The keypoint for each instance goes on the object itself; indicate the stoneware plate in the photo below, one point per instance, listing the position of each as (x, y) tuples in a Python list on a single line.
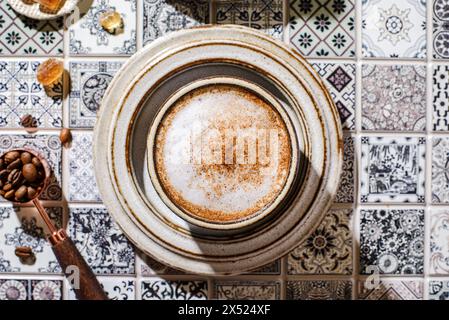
[(133, 105), (33, 11)]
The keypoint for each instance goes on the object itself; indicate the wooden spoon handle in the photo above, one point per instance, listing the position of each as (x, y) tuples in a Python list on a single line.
[(73, 264)]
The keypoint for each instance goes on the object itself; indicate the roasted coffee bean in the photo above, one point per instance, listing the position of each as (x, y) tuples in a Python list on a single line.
[(27, 121), (31, 193), (10, 194), (37, 163), (11, 156), (26, 157), (15, 178), (65, 136), (23, 252), (14, 165), (21, 192), (7, 187), (4, 174), (29, 172), (2, 163)]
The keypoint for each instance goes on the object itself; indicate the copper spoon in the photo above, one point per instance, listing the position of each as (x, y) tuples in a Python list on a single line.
[(63, 247)]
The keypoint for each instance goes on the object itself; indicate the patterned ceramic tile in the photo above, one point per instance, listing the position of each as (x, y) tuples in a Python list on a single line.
[(264, 15), (115, 288), (247, 290), (391, 290), (87, 37), (439, 290), (49, 146), (392, 241), (163, 16), (160, 289), (345, 193), (440, 96), (319, 290), (151, 267), (270, 268), (89, 81), (339, 78), (30, 289), (440, 169), (82, 183), (21, 94), (440, 29), (394, 97), (328, 249), (323, 27), (22, 226), (439, 245), (23, 36), (100, 241), (392, 169), (394, 29)]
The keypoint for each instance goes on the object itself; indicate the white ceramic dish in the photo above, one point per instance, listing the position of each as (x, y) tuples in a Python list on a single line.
[(133, 100), (33, 11)]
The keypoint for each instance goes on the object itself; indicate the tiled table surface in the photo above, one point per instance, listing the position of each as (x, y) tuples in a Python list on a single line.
[(384, 63)]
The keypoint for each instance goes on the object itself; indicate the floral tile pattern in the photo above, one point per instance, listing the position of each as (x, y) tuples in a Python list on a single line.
[(339, 79), (160, 289), (440, 96), (439, 246), (49, 147), (30, 289), (345, 193), (89, 81), (100, 241), (22, 226), (163, 16), (440, 169), (323, 27), (392, 241), (440, 29), (23, 36), (395, 29), (247, 290), (439, 290), (264, 15), (82, 183), (87, 37), (328, 250), (115, 288), (21, 94), (393, 97), (392, 169), (391, 290), (319, 290)]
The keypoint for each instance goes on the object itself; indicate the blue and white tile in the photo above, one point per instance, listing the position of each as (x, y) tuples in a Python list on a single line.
[(390, 289), (395, 29), (20, 35), (328, 249), (161, 17), (440, 97), (21, 94), (321, 28), (22, 226), (87, 36), (440, 29), (440, 170), (247, 290), (82, 183), (116, 288), (100, 241), (392, 169), (439, 244), (30, 289), (49, 147), (393, 97), (439, 289), (392, 241), (339, 79), (319, 290), (161, 289)]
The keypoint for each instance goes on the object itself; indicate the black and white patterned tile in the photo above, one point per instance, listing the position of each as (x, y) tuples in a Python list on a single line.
[(345, 192), (116, 288), (319, 290), (440, 96), (161, 289), (440, 167), (393, 97), (247, 290), (100, 241), (392, 169), (323, 28), (390, 289), (24, 289), (328, 249), (89, 81), (392, 241), (439, 245), (439, 289), (440, 29)]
